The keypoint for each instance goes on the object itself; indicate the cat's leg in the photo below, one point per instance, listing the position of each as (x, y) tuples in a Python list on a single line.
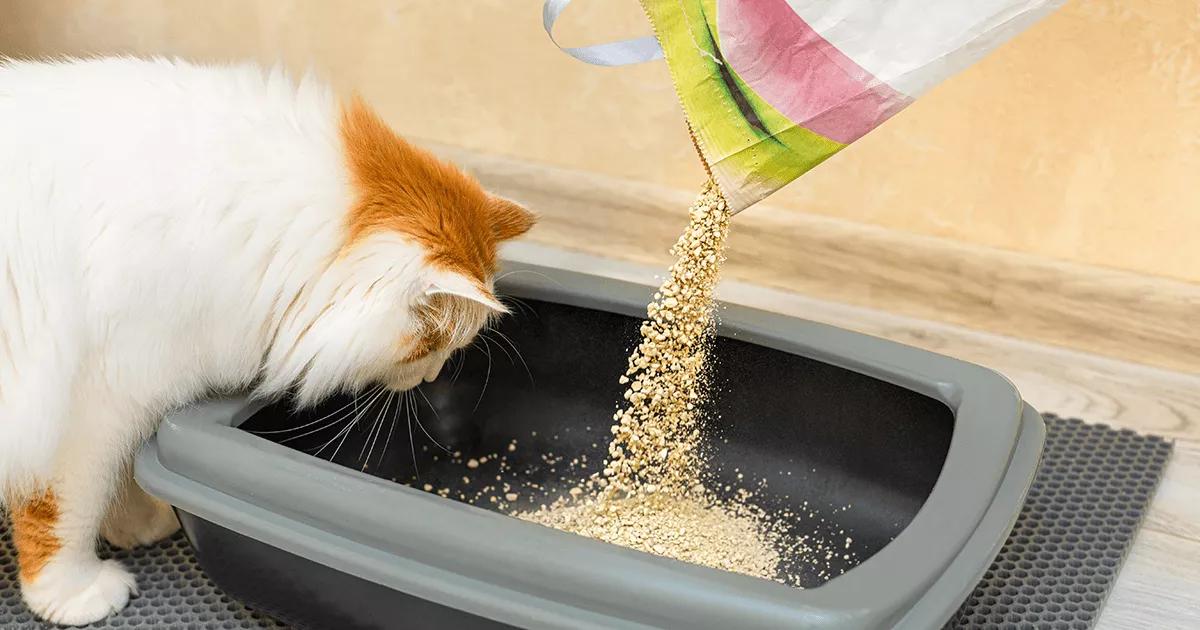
[(55, 530), (32, 417), (136, 518), (36, 369)]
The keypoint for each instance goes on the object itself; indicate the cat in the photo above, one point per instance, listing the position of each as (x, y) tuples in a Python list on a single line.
[(169, 229)]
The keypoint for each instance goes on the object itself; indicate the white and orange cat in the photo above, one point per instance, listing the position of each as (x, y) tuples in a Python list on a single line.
[(169, 229)]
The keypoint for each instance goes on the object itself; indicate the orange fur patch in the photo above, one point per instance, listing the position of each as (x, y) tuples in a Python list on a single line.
[(406, 189), (34, 521), (428, 343)]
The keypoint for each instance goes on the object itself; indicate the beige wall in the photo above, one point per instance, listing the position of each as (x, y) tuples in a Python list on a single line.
[(1080, 140)]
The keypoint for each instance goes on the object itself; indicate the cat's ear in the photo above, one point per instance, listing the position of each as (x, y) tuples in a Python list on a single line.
[(450, 283), (509, 218)]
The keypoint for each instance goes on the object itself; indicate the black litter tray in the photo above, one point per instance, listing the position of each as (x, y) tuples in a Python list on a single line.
[(920, 460)]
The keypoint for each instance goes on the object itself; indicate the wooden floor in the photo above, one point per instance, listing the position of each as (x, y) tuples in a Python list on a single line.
[(1159, 587)]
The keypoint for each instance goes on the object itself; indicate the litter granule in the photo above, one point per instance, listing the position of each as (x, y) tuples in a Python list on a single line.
[(651, 494)]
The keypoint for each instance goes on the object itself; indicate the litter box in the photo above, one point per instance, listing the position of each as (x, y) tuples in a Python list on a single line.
[(921, 461)]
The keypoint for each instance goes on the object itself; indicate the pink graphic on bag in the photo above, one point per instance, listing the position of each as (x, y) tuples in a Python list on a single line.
[(776, 53)]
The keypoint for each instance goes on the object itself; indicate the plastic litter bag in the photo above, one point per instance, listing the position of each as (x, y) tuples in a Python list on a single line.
[(771, 88)]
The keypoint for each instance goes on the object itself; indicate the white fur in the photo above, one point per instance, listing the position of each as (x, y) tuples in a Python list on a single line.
[(79, 590), (167, 229)]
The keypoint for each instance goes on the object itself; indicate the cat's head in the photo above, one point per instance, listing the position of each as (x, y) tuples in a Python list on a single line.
[(413, 282)]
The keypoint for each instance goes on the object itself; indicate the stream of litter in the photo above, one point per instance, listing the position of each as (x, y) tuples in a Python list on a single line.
[(656, 490)]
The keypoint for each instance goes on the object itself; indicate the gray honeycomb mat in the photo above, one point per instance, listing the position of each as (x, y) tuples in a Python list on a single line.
[(173, 593), (1079, 520), (1055, 571)]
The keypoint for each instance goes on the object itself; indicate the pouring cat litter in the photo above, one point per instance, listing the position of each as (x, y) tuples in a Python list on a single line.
[(765, 452), (649, 495), (652, 494)]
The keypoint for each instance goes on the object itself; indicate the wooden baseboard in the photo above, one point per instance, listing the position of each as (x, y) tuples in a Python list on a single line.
[(1134, 317)]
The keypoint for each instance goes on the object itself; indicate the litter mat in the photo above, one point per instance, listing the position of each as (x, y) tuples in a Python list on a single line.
[(1056, 570)]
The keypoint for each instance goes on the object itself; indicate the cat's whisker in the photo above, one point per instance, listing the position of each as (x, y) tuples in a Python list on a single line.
[(370, 431), (307, 424), (331, 423), (412, 444), (391, 427), (342, 431), (426, 399), (462, 361), (395, 396), (420, 424), (376, 429), (526, 309), (345, 431), (502, 348), (349, 428), (486, 377), (529, 271), (517, 351)]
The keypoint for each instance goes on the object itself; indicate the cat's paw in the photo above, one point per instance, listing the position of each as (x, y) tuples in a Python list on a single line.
[(143, 524), (76, 594)]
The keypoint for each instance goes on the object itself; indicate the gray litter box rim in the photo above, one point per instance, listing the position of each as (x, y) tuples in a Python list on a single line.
[(530, 576)]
